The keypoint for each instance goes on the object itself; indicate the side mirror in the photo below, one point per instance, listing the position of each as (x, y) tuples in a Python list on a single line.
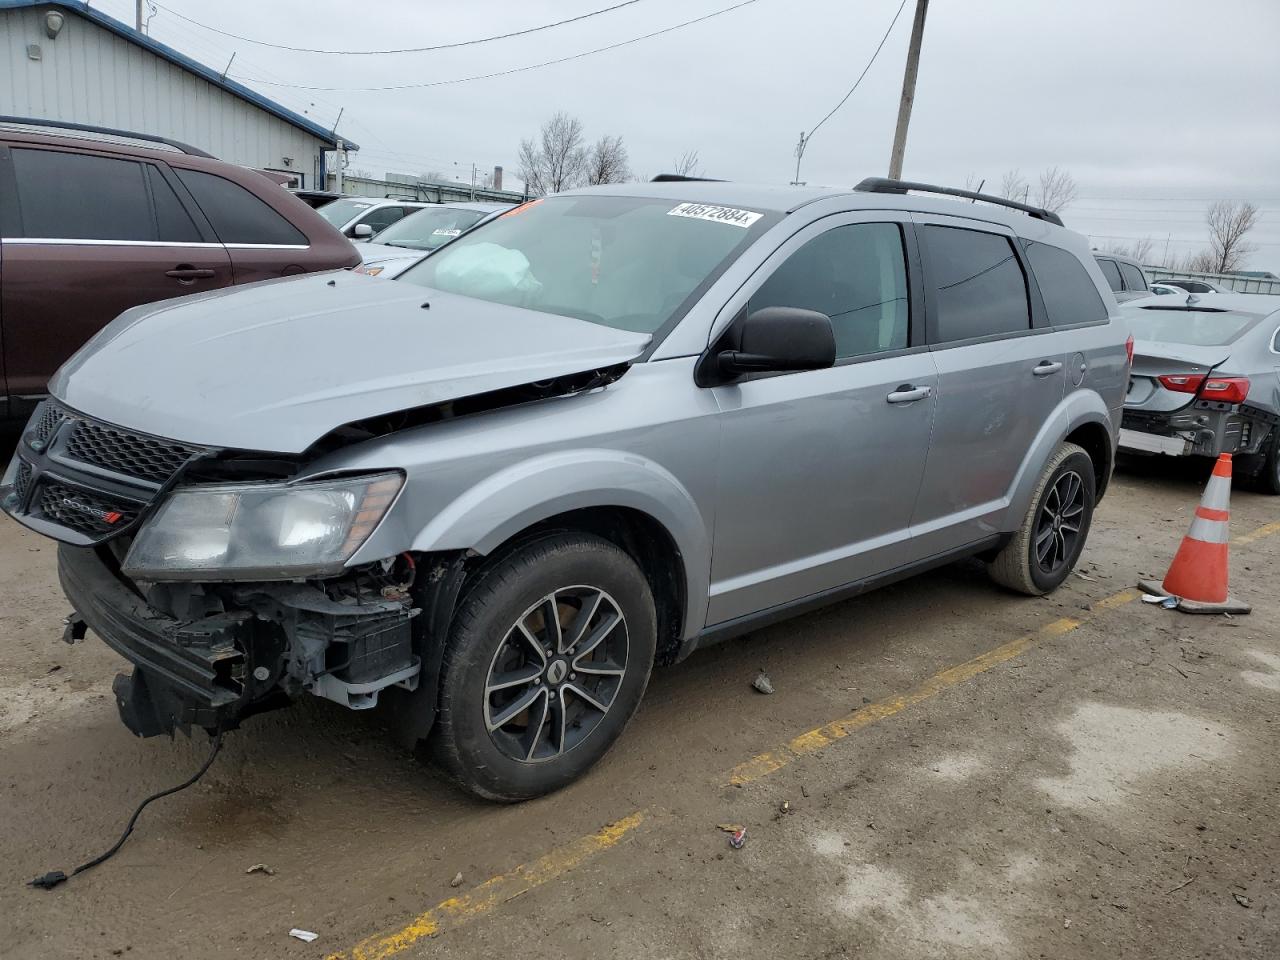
[(769, 340), (362, 231)]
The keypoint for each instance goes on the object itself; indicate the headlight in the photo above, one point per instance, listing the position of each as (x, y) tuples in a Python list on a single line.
[(260, 531), (368, 271)]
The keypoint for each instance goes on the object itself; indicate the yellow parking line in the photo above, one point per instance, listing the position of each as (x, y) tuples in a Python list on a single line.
[(766, 763), (1263, 531), (492, 893)]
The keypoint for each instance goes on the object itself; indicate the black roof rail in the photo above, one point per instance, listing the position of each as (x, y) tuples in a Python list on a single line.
[(884, 185), (681, 178), (109, 131)]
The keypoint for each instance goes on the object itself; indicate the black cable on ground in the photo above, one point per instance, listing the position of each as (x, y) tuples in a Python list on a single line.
[(54, 877)]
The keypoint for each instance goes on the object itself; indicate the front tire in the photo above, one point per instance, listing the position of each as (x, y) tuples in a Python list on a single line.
[(549, 654), (1048, 543)]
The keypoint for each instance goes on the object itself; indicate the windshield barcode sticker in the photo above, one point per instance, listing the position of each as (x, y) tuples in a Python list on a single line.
[(442, 232), (703, 211)]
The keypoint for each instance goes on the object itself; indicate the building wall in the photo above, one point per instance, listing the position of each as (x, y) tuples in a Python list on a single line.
[(91, 75)]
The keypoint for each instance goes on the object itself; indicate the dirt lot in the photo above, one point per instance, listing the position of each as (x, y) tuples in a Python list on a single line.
[(969, 774)]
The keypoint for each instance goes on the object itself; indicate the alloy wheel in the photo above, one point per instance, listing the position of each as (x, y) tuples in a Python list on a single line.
[(555, 674), (1058, 527)]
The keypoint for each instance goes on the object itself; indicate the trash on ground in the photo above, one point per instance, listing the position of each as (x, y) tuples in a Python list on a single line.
[(262, 868), (762, 683), (306, 936), (457, 879), (1168, 603), (785, 806), (739, 840), (730, 827), (1240, 899), (1084, 576)]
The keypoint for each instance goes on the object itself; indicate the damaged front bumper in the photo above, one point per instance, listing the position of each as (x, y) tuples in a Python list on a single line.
[(1204, 428), (254, 647)]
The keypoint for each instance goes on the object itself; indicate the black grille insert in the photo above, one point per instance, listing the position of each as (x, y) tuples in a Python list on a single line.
[(22, 482), (129, 453), (50, 417), (92, 514)]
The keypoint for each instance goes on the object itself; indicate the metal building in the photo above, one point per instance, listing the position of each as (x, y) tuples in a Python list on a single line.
[(64, 60)]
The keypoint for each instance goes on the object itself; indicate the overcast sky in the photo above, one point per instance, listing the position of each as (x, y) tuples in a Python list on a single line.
[(1156, 107)]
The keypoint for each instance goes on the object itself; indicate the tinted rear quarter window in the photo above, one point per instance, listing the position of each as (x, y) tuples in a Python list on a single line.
[(981, 290), (172, 220), (1065, 286), (75, 196), (236, 214), (1112, 273), (1133, 277)]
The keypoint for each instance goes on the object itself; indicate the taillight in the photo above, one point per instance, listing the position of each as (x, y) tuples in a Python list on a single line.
[(1221, 389), (1128, 349)]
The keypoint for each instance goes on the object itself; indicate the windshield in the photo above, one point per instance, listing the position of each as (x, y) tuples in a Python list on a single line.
[(428, 229), (624, 262), (341, 211), (1194, 327)]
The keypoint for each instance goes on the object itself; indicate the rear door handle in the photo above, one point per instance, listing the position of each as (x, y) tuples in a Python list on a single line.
[(1046, 367), (907, 394), (187, 274)]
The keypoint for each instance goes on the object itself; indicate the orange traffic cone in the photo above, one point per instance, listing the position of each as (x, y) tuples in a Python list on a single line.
[(1197, 578)]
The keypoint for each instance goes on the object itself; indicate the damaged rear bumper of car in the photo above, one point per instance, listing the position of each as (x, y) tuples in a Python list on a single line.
[(1205, 428), (268, 643)]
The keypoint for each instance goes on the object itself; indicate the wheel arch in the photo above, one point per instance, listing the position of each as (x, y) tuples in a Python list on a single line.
[(1081, 418)]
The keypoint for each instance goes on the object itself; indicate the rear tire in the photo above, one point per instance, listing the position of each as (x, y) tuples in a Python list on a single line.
[(1048, 543), (1263, 469), (516, 721)]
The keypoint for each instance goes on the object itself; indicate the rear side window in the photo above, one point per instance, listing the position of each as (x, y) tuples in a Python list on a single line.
[(173, 223), (1068, 292), (236, 214), (1133, 277), (981, 290), (74, 196), (1112, 273), (383, 217), (857, 276)]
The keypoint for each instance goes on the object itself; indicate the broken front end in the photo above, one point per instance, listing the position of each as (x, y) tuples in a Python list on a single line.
[(229, 593)]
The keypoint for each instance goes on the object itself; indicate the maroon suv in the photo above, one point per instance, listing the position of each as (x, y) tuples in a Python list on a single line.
[(91, 225)]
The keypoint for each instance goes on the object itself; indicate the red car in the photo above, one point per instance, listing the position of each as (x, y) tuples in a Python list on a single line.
[(93, 222)]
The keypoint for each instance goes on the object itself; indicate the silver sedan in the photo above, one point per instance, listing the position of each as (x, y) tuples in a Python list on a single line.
[(1206, 380)]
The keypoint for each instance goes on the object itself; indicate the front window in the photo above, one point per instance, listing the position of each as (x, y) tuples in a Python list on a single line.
[(624, 262), (428, 229), (340, 212)]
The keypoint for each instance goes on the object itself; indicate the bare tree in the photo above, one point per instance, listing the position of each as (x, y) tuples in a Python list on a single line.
[(1141, 250), (686, 165), (607, 162), (1202, 262), (432, 176), (557, 160), (1057, 190), (973, 182), (1229, 222), (1013, 186)]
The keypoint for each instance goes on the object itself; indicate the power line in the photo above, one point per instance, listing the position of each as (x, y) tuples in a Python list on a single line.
[(369, 53), (879, 47), (532, 66)]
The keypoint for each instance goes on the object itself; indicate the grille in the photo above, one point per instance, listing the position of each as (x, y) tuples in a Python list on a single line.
[(89, 513), (49, 419), (127, 453), (22, 483)]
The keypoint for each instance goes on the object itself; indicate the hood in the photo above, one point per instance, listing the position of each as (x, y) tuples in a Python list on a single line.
[(276, 365)]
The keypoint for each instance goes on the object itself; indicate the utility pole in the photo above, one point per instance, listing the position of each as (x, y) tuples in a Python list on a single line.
[(137, 16), (908, 91), (341, 152)]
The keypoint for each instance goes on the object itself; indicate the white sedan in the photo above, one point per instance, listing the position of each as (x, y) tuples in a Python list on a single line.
[(405, 243)]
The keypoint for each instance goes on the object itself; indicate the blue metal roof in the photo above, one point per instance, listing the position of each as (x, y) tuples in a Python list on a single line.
[(82, 9)]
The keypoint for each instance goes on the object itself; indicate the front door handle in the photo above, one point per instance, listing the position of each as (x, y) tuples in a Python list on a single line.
[(1046, 367), (908, 394), (185, 273)]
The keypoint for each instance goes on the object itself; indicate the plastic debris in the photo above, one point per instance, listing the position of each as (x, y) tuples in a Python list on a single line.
[(1084, 576), (457, 879), (739, 839), (262, 868), (762, 683), (784, 807), (1242, 900), (730, 827), (1169, 603), (306, 936)]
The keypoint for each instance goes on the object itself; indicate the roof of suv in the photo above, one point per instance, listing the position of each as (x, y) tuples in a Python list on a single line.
[(787, 199)]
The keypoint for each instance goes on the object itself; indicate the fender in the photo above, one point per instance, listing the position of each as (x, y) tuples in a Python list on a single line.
[(519, 496), (1076, 409)]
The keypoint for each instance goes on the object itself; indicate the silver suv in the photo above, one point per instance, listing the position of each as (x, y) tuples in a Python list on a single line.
[(595, 434)]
